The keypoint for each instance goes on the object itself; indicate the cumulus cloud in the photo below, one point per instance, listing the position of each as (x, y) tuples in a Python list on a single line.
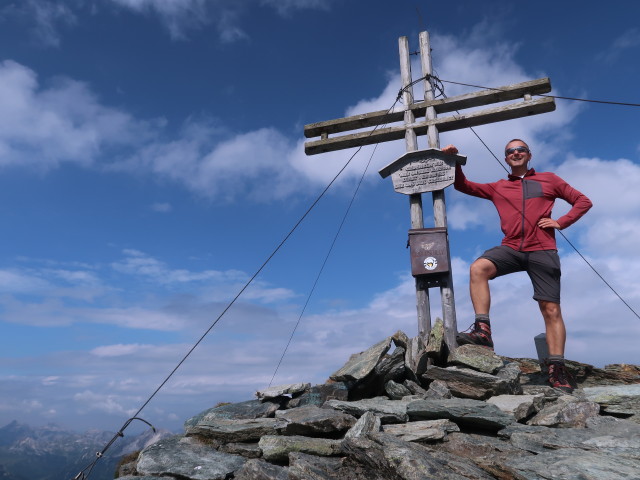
[(43, 127)]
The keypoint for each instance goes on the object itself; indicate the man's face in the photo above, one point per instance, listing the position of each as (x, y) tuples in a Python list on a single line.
[(517, 154)]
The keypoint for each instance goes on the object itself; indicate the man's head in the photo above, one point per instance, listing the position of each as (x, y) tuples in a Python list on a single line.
[(517, 156)]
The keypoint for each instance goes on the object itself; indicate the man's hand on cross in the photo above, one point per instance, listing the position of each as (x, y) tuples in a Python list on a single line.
[(450, 149)]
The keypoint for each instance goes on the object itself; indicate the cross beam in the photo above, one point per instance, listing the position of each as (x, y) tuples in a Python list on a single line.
[(523, 108)]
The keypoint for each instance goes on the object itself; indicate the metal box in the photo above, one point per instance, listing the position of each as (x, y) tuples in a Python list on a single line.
[(429, 251)]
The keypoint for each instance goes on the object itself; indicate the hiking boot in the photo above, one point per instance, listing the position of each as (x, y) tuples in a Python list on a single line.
[(559, 377), (477, 334)]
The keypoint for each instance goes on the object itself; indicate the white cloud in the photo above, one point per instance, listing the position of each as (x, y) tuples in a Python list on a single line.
[(613, 224), (44, 127), (162, 207), (120, 350), (286, 7), (138, 263), (65, 122), (628, 39), (46, 18), (20, 282), (89, 401), (178, 16)]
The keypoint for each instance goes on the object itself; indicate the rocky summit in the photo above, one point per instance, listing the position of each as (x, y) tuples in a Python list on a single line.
[(415, 412)]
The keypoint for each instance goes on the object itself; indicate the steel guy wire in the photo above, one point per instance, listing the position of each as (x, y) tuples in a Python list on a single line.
[(608, 102), (315, 283), (120, 432)]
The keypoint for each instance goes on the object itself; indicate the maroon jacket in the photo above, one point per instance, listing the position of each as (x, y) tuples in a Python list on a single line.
[(521, 202)]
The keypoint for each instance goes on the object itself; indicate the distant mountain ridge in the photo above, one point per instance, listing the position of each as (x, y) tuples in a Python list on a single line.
[(52, 452)]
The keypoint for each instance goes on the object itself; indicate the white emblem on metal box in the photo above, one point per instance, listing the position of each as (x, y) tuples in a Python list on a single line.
[(430, 263)]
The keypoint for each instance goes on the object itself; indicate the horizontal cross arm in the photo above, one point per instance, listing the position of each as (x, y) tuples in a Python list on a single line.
[(443, 124), (469, 100)]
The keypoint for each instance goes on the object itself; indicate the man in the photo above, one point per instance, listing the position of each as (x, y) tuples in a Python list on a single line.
[(524, 202)]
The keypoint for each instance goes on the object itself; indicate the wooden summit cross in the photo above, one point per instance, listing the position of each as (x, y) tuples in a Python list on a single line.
[(421, 171)]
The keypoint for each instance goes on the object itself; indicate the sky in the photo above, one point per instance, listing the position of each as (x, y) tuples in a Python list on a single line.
[(152, 159)]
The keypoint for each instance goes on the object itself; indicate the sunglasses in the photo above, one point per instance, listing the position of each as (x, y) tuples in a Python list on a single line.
[(509, 151)]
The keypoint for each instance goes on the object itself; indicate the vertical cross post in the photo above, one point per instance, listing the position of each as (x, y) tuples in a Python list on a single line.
[(415, 200), (439, 205)]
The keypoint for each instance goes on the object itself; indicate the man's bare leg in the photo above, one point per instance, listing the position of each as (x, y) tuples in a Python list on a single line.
[(481, 271), (479, 274), (554, 325), (556, 337)]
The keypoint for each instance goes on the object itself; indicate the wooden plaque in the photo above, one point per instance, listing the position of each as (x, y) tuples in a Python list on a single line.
[(422, 171)]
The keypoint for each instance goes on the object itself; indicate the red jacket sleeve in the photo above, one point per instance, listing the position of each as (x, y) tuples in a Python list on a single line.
[(579, 202), (482, 190)]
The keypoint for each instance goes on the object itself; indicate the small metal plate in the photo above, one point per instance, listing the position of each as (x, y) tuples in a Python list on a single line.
[(429, 251)]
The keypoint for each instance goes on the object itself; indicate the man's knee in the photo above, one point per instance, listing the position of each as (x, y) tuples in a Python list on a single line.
[(482, 269), (550, 310)]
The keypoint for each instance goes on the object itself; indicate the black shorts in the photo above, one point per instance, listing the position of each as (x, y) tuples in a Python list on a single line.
[(542, 266)]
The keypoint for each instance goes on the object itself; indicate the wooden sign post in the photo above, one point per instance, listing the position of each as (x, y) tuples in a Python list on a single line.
[(428, 170)]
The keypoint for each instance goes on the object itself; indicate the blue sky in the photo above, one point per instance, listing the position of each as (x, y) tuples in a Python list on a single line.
[(151, 158)]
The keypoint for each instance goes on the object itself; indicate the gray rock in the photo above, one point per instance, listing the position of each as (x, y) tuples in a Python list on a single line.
[(467, 383), (618, 400), (422, 431), (550, 394), (477, 358), (487, 452), (416, 358), (261, 470), (231, 431), (145, 477), (187, 460), (435, 343), (396, 390), (463, 411), (390, 367), (438, 389), (511, 374), (246, 450), (613, 436), (313, 421), (242, 410), (362, 364), (567, 411), (318, 394), (303, 466), (572, 464), (366, 424), (276, 448), (400, 339), (414, 388), (389, 411), (520, 406), (280, 390), (368, 456), (395, 459)]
